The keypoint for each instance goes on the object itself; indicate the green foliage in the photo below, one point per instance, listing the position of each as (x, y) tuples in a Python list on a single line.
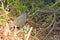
[(3, 19), (27, 4), (25, 29), (49, 4), (10, 1), (35, 19), (49, 19), (57, 6), (39, 4), (20, 6), (43, 24), (32, 10)]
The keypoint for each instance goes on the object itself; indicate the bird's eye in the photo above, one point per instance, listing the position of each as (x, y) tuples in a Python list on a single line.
[(18, 28)]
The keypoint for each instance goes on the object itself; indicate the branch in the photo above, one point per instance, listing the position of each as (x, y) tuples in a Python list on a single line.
[(29, 33)]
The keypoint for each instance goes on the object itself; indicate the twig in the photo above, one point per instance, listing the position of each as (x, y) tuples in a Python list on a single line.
[(49, 31), (50, 24), (29, 33), (52, 21), (52, 28), (55, 3)]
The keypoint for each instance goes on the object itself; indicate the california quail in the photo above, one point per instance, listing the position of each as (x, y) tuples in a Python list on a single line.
[(20, 20)]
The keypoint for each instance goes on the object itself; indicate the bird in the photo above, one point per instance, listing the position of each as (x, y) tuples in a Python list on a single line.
[(20, 20)]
